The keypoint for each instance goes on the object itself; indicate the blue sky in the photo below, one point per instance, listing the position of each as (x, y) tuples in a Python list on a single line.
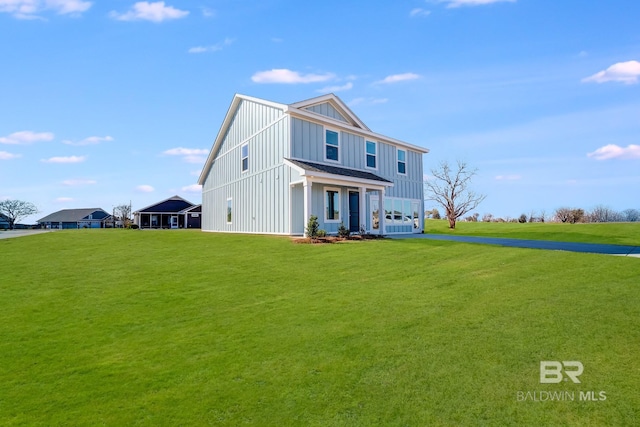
[(102, 103)]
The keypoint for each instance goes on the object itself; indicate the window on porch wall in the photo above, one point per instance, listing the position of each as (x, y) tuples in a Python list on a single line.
[(332, 205)]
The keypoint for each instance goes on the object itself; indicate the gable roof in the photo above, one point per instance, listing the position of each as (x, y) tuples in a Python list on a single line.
[(173, 204), (336, 103), (73, 215), (300, 109)]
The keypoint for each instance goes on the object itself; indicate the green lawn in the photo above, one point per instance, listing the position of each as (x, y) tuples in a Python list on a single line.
[(619, 233), (123, 328)]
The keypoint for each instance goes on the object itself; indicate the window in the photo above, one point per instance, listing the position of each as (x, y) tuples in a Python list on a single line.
[(402, 162), (229, 206), (388, 206), (332, 205), (371, 154), (332, 145), (245, 157), (375, 214)]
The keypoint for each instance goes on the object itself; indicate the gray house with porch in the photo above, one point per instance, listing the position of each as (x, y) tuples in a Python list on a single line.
[(274, 165)]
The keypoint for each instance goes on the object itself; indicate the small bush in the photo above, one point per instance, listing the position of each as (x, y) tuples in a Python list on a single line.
[(322, 233), (134, 226), (343, 231), (312, 226)]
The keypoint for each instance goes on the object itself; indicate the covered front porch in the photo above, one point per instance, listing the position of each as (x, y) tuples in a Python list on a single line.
[(336, 196)]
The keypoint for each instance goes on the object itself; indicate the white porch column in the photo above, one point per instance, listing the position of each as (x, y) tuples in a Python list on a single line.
[(382, 217), (363, 208), (307, 203)]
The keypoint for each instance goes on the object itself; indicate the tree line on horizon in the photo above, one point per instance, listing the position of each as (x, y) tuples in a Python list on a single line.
[(600, 213)]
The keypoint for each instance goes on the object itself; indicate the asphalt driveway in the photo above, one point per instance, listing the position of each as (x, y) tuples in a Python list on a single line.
[(594, 248), (19, 233)]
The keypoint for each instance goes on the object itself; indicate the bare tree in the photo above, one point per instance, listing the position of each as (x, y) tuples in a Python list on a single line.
[(15, 210), (450, 189), (124, 213), (603, 213), (631, 215), (569, 215)]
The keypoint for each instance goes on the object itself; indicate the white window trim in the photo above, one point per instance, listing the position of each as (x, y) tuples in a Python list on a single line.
[(325, 144), (325, 190), (242, 158), (226, 211), (375, 143), (398, 161)]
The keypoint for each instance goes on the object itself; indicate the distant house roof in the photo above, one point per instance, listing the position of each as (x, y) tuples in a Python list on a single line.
[(74, 215), (171, 205), (195, 208), (336, 170)]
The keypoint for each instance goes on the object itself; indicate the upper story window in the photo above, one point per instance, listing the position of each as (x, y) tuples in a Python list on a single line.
[(402, 162), (371, 153), (332, 145), (245, 157)]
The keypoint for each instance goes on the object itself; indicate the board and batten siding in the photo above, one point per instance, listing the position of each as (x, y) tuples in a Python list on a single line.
[(328, 110), (259, 196), (308, 144)]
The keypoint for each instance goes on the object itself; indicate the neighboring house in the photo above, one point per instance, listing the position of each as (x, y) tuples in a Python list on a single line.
[(4, 222), (274, 165), (76, 218), (174, 212)]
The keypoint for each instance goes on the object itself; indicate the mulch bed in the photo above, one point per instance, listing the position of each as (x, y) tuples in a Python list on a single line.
[(336, 239)]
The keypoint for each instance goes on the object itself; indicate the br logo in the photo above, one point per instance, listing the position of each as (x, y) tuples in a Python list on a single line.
[(551, 371)]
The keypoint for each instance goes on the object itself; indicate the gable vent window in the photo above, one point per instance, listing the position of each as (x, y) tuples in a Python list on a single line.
[(402, 162), (332, 145), (245, 157), (371, 154)]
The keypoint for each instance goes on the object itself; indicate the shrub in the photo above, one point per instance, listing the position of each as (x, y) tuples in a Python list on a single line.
[(343, 231), (312, 226), (134, 226), (322, 233), (522, 219)]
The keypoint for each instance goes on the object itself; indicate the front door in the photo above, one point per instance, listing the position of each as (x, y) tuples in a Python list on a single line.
[(354, 211), (174, 222)]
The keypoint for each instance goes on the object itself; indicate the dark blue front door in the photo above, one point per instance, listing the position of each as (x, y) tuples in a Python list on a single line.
[(354, 211)]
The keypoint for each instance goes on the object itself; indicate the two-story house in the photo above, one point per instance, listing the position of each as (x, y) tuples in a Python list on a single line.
[(274, 165)]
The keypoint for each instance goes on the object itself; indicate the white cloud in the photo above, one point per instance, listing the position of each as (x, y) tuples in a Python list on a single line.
[(193, 188), (283, 75), (145, 188), (78, 182), (508, 177), (189, 155), (459, 3), (68, 159), (63, 200), (419, 12), (612, 151), (395, 78), (28, 9), (8, 156), (181, 151), (92, 140), (624, 72), (213, 48), (367, 101), (26, 137), (145, 11), (196, 173), (331, 89)]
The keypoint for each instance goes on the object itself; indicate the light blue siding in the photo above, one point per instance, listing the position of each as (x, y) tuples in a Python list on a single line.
[(328, 110), (260, 196)]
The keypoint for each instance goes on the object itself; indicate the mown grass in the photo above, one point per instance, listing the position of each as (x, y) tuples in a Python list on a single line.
[(109, 327), (620, 233)]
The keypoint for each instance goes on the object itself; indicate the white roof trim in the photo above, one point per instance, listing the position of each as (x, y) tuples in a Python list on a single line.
[(336, 102), (225, 125), (352, 129), (165, 200)]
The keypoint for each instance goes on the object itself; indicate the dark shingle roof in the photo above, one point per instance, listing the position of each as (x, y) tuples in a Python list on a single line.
[(173, 204), (73, 215), (335, 170)]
